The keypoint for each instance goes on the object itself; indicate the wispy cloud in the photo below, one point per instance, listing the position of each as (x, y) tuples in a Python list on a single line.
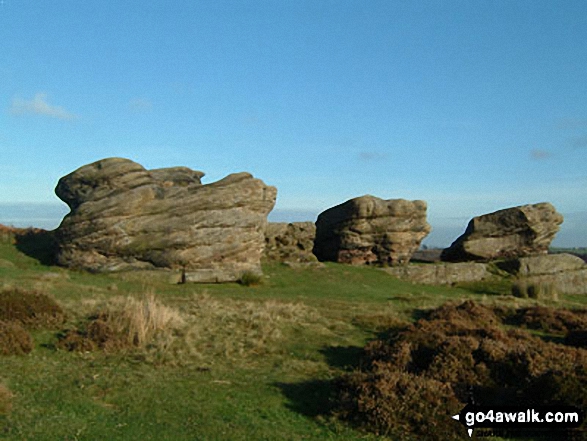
[(372, 156), (39, 106), (571, 123), (579, 142), (140, 105), (539, 154)]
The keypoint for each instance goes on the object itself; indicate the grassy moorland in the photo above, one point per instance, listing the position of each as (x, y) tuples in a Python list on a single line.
[(200, 362)]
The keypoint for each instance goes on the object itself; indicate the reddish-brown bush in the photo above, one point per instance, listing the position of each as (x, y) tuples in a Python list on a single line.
[(14, 339), (549, 319), (458, 352), (31, 308)]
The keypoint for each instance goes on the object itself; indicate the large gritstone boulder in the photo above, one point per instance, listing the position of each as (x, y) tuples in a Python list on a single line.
[(369, 230), (124, 217), (513, 232)]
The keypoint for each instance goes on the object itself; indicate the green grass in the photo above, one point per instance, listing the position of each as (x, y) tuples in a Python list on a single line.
[(252, 363)]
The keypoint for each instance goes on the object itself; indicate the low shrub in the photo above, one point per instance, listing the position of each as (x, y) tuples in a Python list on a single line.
[(249, 278), (548, 319), (14, 339), (33, 309), (392, 402), (433, 367)]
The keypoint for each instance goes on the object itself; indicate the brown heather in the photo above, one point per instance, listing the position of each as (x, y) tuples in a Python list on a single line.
[(417, 376), (14, 339), (33, 309)]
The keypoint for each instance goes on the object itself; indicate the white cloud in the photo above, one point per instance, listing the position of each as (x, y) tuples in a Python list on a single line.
[(39, 105)]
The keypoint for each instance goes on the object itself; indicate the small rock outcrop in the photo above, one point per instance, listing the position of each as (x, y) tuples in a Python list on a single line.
[(443, 273), (564, 273), (290, 242), (513, 232), (124, 217), (370, 230)]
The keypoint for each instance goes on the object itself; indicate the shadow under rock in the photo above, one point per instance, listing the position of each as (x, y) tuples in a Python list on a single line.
[(38, 244)]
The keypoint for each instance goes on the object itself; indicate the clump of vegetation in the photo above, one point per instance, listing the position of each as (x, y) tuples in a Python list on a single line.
[(249, 278), (390, 402), (31, 308), (124, 323), (5, 400), (455, 352), (551, 320), (14, 339)]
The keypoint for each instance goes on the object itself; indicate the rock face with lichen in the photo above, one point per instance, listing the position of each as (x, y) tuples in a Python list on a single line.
[(370, 230), (124, 217), (513, 232), (290, 242)]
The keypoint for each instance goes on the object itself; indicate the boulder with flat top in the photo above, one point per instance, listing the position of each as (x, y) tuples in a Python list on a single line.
[(370, 230), (125, 217)]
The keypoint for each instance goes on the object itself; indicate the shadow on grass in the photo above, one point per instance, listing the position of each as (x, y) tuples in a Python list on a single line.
[(38, 244), (310, 398), (315, 398), (343, 357)]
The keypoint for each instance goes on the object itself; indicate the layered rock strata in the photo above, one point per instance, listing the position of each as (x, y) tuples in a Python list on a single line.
[(443, 273), (513, 232), (564, 273), (370, 230), (124, 217)]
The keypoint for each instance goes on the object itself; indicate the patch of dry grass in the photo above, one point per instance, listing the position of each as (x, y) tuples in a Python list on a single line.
[(206, 330), (5, 400), (126, 322), (243, 328), (140, 321)]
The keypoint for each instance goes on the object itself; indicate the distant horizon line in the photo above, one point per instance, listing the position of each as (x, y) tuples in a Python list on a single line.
[(445, 230)]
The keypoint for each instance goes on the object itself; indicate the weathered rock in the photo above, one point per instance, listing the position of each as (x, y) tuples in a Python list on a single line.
[(512, 232), (542, 264), (561, 273), (126, 217), (568, 282), (442, 273), (369, 230), (291, 242)]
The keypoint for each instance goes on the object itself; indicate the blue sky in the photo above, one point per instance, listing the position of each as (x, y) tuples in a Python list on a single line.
[(472, 106)]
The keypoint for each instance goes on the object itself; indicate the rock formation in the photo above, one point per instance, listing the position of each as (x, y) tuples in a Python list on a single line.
[(126, 217), (563, 273), (369, 230), (443, 273), (508, 233), (291, 242)]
